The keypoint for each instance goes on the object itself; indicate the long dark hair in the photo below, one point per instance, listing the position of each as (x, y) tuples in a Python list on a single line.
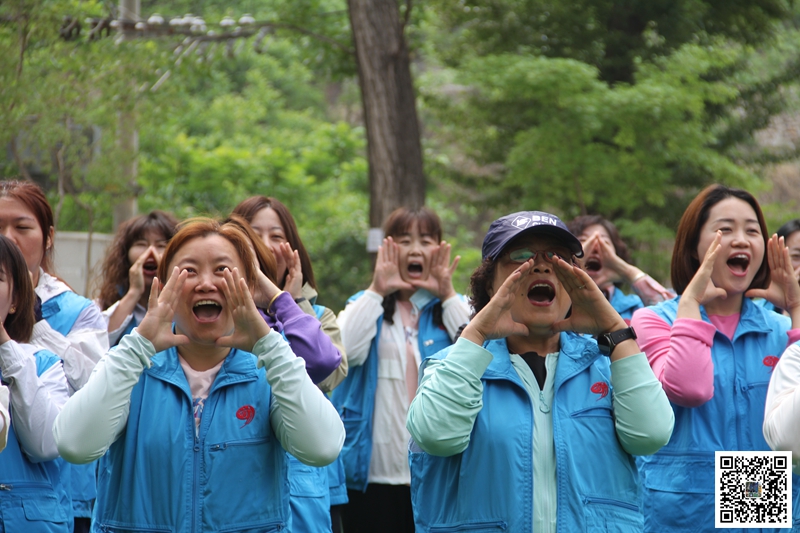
[(248, 209), (115, 282), (19, 324)]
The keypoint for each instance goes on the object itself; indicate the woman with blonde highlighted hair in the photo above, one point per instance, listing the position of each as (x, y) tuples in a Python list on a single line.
[(195, 409)]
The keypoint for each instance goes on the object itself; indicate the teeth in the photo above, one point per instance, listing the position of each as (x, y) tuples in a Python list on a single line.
[(206, 302), (740, 256), (545, 285)]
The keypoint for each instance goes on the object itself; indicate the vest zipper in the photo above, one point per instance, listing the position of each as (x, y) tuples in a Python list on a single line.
[(543, 407)]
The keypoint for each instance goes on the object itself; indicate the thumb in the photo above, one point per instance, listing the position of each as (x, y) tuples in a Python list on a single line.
[(180, 340), (756, 293)]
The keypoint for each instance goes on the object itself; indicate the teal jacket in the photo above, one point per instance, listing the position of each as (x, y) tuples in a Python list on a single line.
[(681, 475), (230, 477), (354, 398), (61, 313), (489, 486), (625, 304)]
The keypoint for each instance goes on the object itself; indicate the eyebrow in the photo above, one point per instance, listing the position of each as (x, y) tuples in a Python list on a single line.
[(733, 221)]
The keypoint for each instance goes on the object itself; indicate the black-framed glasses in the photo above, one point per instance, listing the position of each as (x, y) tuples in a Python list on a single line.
[(520, 255)]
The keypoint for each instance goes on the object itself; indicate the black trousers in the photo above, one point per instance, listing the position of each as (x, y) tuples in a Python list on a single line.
[(383, 508)]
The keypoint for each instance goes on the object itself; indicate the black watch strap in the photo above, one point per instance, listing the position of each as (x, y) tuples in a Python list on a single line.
[(608, 341)]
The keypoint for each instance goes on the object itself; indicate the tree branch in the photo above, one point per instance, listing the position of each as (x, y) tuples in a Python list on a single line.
[(407, 14)]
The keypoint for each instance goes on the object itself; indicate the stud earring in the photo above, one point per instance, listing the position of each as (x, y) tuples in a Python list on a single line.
[(12, 310)]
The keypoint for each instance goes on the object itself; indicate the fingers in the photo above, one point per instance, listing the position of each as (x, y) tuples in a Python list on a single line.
[(152, 301), (174, 286), (453, 266), (231, 289)]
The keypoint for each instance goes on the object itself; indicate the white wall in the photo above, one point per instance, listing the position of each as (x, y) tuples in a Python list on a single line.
[(71, 259)]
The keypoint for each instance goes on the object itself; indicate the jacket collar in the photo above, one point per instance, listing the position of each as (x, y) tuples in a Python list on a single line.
[(421, 299), (49, 286), (238, 367), (751, 319), (309, 293)]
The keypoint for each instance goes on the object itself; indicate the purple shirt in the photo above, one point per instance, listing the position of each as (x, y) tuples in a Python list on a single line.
[(305, 336)]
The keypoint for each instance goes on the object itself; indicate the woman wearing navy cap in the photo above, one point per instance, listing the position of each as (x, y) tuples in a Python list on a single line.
[(523, 424)]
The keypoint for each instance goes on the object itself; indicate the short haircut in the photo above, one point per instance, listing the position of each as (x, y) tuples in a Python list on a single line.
[(34, 199), (196, 228), (248, 209), (19, 324), (685, 262)]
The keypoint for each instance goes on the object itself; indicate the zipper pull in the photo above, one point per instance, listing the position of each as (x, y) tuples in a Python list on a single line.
[(543, 407)]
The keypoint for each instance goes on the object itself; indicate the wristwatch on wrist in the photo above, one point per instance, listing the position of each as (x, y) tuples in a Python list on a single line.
[(608, 341)]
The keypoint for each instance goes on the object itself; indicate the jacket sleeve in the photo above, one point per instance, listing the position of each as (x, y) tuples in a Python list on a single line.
[(650, 291), (449, 398), (5, 421), (359, 324), (455, 313), (307, 339), (680, 356), (782, 412), (36, 400), (331, 328), (116, 335), (81, 349), (95, 416), (643, 417), (305, 422)]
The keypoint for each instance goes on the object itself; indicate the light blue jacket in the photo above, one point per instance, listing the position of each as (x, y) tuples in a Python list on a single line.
[(681, 475), (61, 312), (231, 478), (625, 304), (354, 398), (33, 496), (489, 486), (312, 489)]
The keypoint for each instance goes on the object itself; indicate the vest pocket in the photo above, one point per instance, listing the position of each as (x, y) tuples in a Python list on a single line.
[(109, 528), (601, 411), (609, 515), (475, 527), (35, 513)]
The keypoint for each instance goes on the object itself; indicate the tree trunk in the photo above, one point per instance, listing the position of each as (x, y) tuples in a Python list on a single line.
[(394, 151), (128, 134)]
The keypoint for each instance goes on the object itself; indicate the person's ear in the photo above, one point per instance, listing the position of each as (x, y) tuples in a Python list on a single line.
[(49, 239)]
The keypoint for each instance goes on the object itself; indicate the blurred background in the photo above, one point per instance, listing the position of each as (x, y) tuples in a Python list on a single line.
[(345, 110)]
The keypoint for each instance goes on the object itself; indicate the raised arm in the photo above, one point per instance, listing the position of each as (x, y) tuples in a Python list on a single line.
[(80, 349), (97, 414), (36, 399), (782, 412), (449, 398), (306, 337)]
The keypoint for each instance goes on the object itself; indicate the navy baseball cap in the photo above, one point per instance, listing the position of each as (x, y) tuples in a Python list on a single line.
[(507, 228)]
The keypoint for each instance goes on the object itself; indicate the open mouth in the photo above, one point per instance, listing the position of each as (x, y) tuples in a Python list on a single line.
[(739, 263), (150, 268), (206, 310), (593, 264), (541, 293), (415, 269)]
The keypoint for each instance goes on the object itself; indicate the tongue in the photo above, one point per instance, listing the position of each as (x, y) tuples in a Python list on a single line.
[(207, 312)]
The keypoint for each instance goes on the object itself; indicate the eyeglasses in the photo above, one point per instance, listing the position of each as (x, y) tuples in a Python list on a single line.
[(520, 255)]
